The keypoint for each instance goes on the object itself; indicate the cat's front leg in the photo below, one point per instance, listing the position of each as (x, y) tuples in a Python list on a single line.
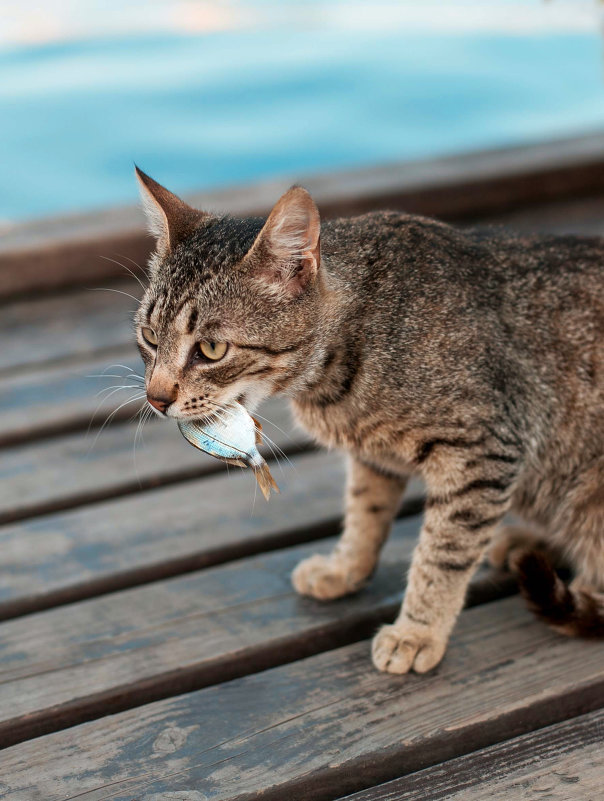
[(457, 531), (372, 500)]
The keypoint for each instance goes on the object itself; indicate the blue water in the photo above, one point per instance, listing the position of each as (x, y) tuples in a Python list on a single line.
[(228, 108)]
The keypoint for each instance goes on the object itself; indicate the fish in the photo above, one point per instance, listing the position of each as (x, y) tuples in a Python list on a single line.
[(233, 438)]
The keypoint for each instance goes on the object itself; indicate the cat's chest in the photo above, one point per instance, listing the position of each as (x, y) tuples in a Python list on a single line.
[(331, 427), (367, 437)]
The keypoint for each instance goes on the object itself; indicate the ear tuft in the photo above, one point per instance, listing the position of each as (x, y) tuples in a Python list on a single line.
[(287, 248), (169, 218)]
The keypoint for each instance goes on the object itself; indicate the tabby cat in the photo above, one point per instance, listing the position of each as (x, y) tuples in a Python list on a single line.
[(475, 360)]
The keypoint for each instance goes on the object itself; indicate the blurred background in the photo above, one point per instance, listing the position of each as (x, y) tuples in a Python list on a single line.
[(224, 92)]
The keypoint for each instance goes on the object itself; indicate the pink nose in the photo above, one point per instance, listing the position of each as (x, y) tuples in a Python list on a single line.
[(161, 404)]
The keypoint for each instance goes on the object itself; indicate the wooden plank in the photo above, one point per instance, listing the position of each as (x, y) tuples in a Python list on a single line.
[(66, 327), (65, 557), (66, 250), (61, 558), (563, 762), (62, 473), (78, 661), (321, 726), (64, 398)]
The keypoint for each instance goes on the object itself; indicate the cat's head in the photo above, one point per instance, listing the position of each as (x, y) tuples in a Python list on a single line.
[(233, 308)]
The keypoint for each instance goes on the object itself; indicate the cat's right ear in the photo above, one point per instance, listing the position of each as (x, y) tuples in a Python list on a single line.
[(169, 218)]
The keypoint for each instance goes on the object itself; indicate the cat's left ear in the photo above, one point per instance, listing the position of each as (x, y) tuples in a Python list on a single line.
[(286, 252), (170, 219)]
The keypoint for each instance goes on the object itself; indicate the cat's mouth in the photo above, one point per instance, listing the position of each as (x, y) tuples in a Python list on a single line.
[(211, 415)]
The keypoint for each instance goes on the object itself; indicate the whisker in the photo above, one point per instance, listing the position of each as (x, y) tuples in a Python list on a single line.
[(118, 291), (136, 264), (274, 425), (279, 450), (124, 366), (113, 389), (112, 415), (134, 275), (145, 413), (254, 498), (128, 377)]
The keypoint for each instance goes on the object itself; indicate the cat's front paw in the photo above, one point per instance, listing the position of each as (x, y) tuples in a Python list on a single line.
[(325, 578), (401, 647)]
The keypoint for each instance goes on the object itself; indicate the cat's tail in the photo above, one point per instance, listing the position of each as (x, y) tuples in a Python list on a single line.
[(570, 611)]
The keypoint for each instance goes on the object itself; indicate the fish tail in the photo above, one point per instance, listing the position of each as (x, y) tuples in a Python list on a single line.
[(265, 480)]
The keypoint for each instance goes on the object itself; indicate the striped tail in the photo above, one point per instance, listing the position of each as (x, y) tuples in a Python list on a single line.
[(265, 480), (574, 612)]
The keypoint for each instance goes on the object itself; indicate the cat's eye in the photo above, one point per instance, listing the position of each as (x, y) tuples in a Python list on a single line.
[(149, 336), (213, 350)]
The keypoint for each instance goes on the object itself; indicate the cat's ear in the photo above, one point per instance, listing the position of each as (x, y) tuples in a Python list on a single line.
[(169, 218), (286, 252)]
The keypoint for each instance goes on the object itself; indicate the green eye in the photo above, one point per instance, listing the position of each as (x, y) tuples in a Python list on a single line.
[(149, 335), (213, 350)]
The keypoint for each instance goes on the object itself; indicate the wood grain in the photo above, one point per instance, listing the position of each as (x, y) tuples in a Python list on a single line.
[(64, 398), (87, 659), (66, 327), (60, 558), (73, 470), (564, 762), (322, 726)]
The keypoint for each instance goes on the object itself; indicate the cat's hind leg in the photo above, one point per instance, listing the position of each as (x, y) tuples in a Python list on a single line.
[(578, 609), (372, 500)]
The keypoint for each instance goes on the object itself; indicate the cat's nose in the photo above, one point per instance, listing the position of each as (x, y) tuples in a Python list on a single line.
[(160, 403)]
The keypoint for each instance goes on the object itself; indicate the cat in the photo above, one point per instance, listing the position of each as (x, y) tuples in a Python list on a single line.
[(473, 359)]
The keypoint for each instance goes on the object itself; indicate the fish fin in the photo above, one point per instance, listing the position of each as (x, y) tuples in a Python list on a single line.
[(265, 480), (258, 430)]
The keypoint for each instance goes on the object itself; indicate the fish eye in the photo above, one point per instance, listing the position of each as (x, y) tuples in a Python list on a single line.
[(213, 350), (149, 336)]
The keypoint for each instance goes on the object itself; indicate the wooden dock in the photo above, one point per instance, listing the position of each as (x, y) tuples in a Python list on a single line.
[(151, 645)]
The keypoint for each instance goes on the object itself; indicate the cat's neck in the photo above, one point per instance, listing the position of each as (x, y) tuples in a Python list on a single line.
[(337, 350)]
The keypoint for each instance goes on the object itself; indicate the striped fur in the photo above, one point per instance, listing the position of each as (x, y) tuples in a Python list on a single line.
[(474, 360)]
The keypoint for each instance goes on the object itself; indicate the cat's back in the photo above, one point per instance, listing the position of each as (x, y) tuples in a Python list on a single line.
[(399, 255)]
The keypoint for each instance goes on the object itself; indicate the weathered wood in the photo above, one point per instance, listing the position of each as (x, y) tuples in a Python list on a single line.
[(322, 726), (66, 327), (70, 471), (64, 398), (65, 557), (86, 659), (564, 762), (67, 250)]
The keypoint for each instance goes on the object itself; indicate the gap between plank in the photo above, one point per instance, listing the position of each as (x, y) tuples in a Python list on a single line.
[(131, 488), (322, 638), (365, 773), (189, 563)]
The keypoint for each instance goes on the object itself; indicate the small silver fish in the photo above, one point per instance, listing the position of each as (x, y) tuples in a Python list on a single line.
[(234, 439)]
